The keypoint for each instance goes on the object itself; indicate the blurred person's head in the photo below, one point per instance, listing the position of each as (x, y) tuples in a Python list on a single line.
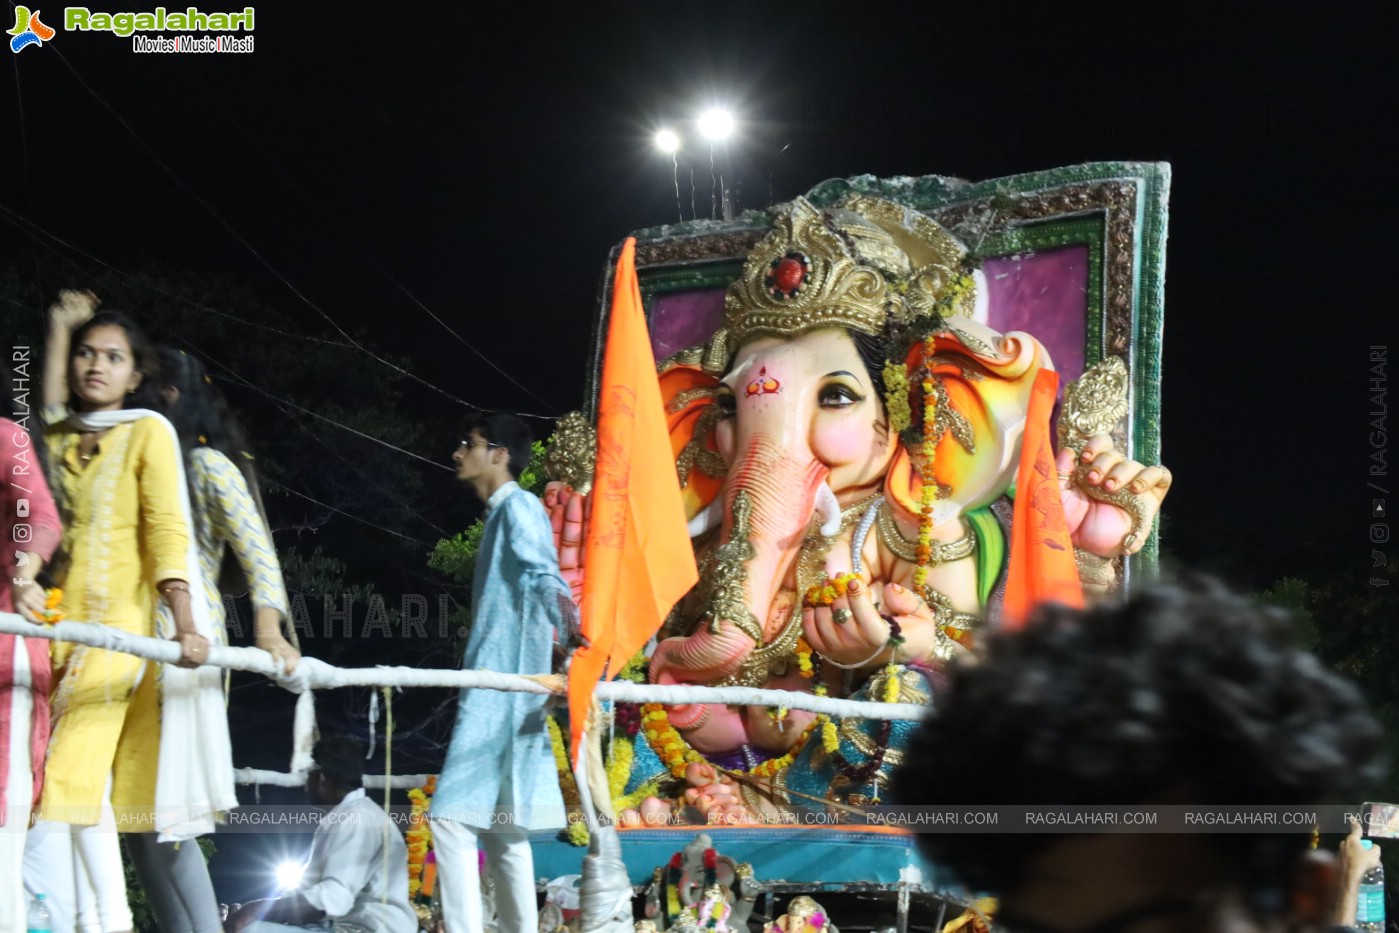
[(1180, 695), (339, 769)]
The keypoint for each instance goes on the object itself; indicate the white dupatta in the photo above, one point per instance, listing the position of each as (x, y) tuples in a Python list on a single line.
[(194, 777)]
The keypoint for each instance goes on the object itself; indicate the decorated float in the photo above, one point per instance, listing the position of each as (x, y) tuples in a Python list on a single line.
[(877, 395), (877, 398)]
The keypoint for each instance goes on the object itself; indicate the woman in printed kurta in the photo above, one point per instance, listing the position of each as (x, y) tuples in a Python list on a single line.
[(223, 489), (225, 515)]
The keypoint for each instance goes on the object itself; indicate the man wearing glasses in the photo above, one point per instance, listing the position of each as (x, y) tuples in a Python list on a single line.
[(499, 781)]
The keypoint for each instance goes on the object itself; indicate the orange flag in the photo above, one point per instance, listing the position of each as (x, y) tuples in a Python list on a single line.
[(1042, 567), (637, 551)]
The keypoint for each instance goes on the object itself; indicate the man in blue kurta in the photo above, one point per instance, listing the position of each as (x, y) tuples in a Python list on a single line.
[(499, 780)]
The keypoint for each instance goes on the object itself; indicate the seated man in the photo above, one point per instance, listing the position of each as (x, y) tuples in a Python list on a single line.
[(1179, 696), (350, 884)]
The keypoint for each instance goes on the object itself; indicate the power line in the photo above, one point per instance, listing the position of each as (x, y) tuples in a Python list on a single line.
[(345, 427), (281, 401), (364, 476), (253, 250), (16, 219), (362, 521), (339, 228)]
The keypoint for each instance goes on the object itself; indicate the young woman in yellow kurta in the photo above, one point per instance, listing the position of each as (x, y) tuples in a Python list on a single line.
[(126, 544)]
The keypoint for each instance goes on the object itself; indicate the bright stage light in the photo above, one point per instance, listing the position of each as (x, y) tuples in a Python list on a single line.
[(667, 141), (289, 875), (716, 124)]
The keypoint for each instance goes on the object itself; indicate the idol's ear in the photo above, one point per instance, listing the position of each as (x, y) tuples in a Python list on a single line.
[(689, 395), (979, 383)]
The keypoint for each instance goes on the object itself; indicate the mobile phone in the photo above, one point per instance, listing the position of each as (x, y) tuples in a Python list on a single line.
[(1380, 820)]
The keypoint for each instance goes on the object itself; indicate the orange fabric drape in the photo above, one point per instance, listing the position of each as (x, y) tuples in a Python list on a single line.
[(1042, 567), (637, 550)]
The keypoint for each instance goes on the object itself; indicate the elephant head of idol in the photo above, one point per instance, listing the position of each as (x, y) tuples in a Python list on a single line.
[(804, 404)]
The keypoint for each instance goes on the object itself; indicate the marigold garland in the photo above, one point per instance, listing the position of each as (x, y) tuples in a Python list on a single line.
[(619, 768), (891, 682), (577, 832), (803, 653), (53, 606), (896, 396), (926, 473), (830, 737), (622, 754), (830, 734), (419, 835), (635, 669), (823, 594), (676, 754), (637, 797)]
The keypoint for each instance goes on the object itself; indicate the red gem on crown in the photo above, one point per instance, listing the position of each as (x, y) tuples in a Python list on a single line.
[(787, 276)]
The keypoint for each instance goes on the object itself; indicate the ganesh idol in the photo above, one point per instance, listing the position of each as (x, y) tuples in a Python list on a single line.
[(849, 443)]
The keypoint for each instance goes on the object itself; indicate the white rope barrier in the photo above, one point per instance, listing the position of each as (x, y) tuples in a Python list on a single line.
[(313, 674), (293, 779)]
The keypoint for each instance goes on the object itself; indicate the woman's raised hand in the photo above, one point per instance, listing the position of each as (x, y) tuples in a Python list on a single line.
[(73, 308)]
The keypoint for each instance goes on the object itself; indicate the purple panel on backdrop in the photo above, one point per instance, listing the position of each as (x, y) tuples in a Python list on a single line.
[(1044, 294), (685, 319)]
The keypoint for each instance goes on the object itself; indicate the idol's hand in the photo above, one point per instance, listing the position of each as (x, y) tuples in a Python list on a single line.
[(1109, 500), (568, 514)]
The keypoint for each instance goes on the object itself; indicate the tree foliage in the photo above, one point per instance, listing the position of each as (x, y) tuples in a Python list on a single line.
[(337, 432)]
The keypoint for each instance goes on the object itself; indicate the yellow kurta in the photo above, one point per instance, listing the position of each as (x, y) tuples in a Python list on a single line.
[(124, 531)]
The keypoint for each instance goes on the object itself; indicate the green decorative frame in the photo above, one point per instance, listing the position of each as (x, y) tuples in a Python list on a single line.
[(1116, 209)]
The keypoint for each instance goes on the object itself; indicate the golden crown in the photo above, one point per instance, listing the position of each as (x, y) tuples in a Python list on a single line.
[(860, 264)]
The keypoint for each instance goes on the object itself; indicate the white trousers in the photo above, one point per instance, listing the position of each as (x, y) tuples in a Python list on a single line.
[(79, 869), (511, 864), (14, 904)]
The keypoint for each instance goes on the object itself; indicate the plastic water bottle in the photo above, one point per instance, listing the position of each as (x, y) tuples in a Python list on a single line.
[(1369, 908), (38, 921)]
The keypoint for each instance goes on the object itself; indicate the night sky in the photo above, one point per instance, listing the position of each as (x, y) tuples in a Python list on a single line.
[(488, 161)]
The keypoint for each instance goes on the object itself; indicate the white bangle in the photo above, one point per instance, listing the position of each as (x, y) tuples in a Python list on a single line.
[(855, 667)]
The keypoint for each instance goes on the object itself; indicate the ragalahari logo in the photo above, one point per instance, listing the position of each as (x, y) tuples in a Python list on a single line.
[(29, 30)]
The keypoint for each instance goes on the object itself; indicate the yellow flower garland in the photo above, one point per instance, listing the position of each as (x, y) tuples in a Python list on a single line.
[(804, 665), (419, 835), (676, 754), (892, 682), (830, 737), (896, 396), (930, 485), (823, 594), (53, 602), (619, 767)]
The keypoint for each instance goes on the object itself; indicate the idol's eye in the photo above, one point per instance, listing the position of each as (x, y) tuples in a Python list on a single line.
[(726, 401), (839, 395)]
